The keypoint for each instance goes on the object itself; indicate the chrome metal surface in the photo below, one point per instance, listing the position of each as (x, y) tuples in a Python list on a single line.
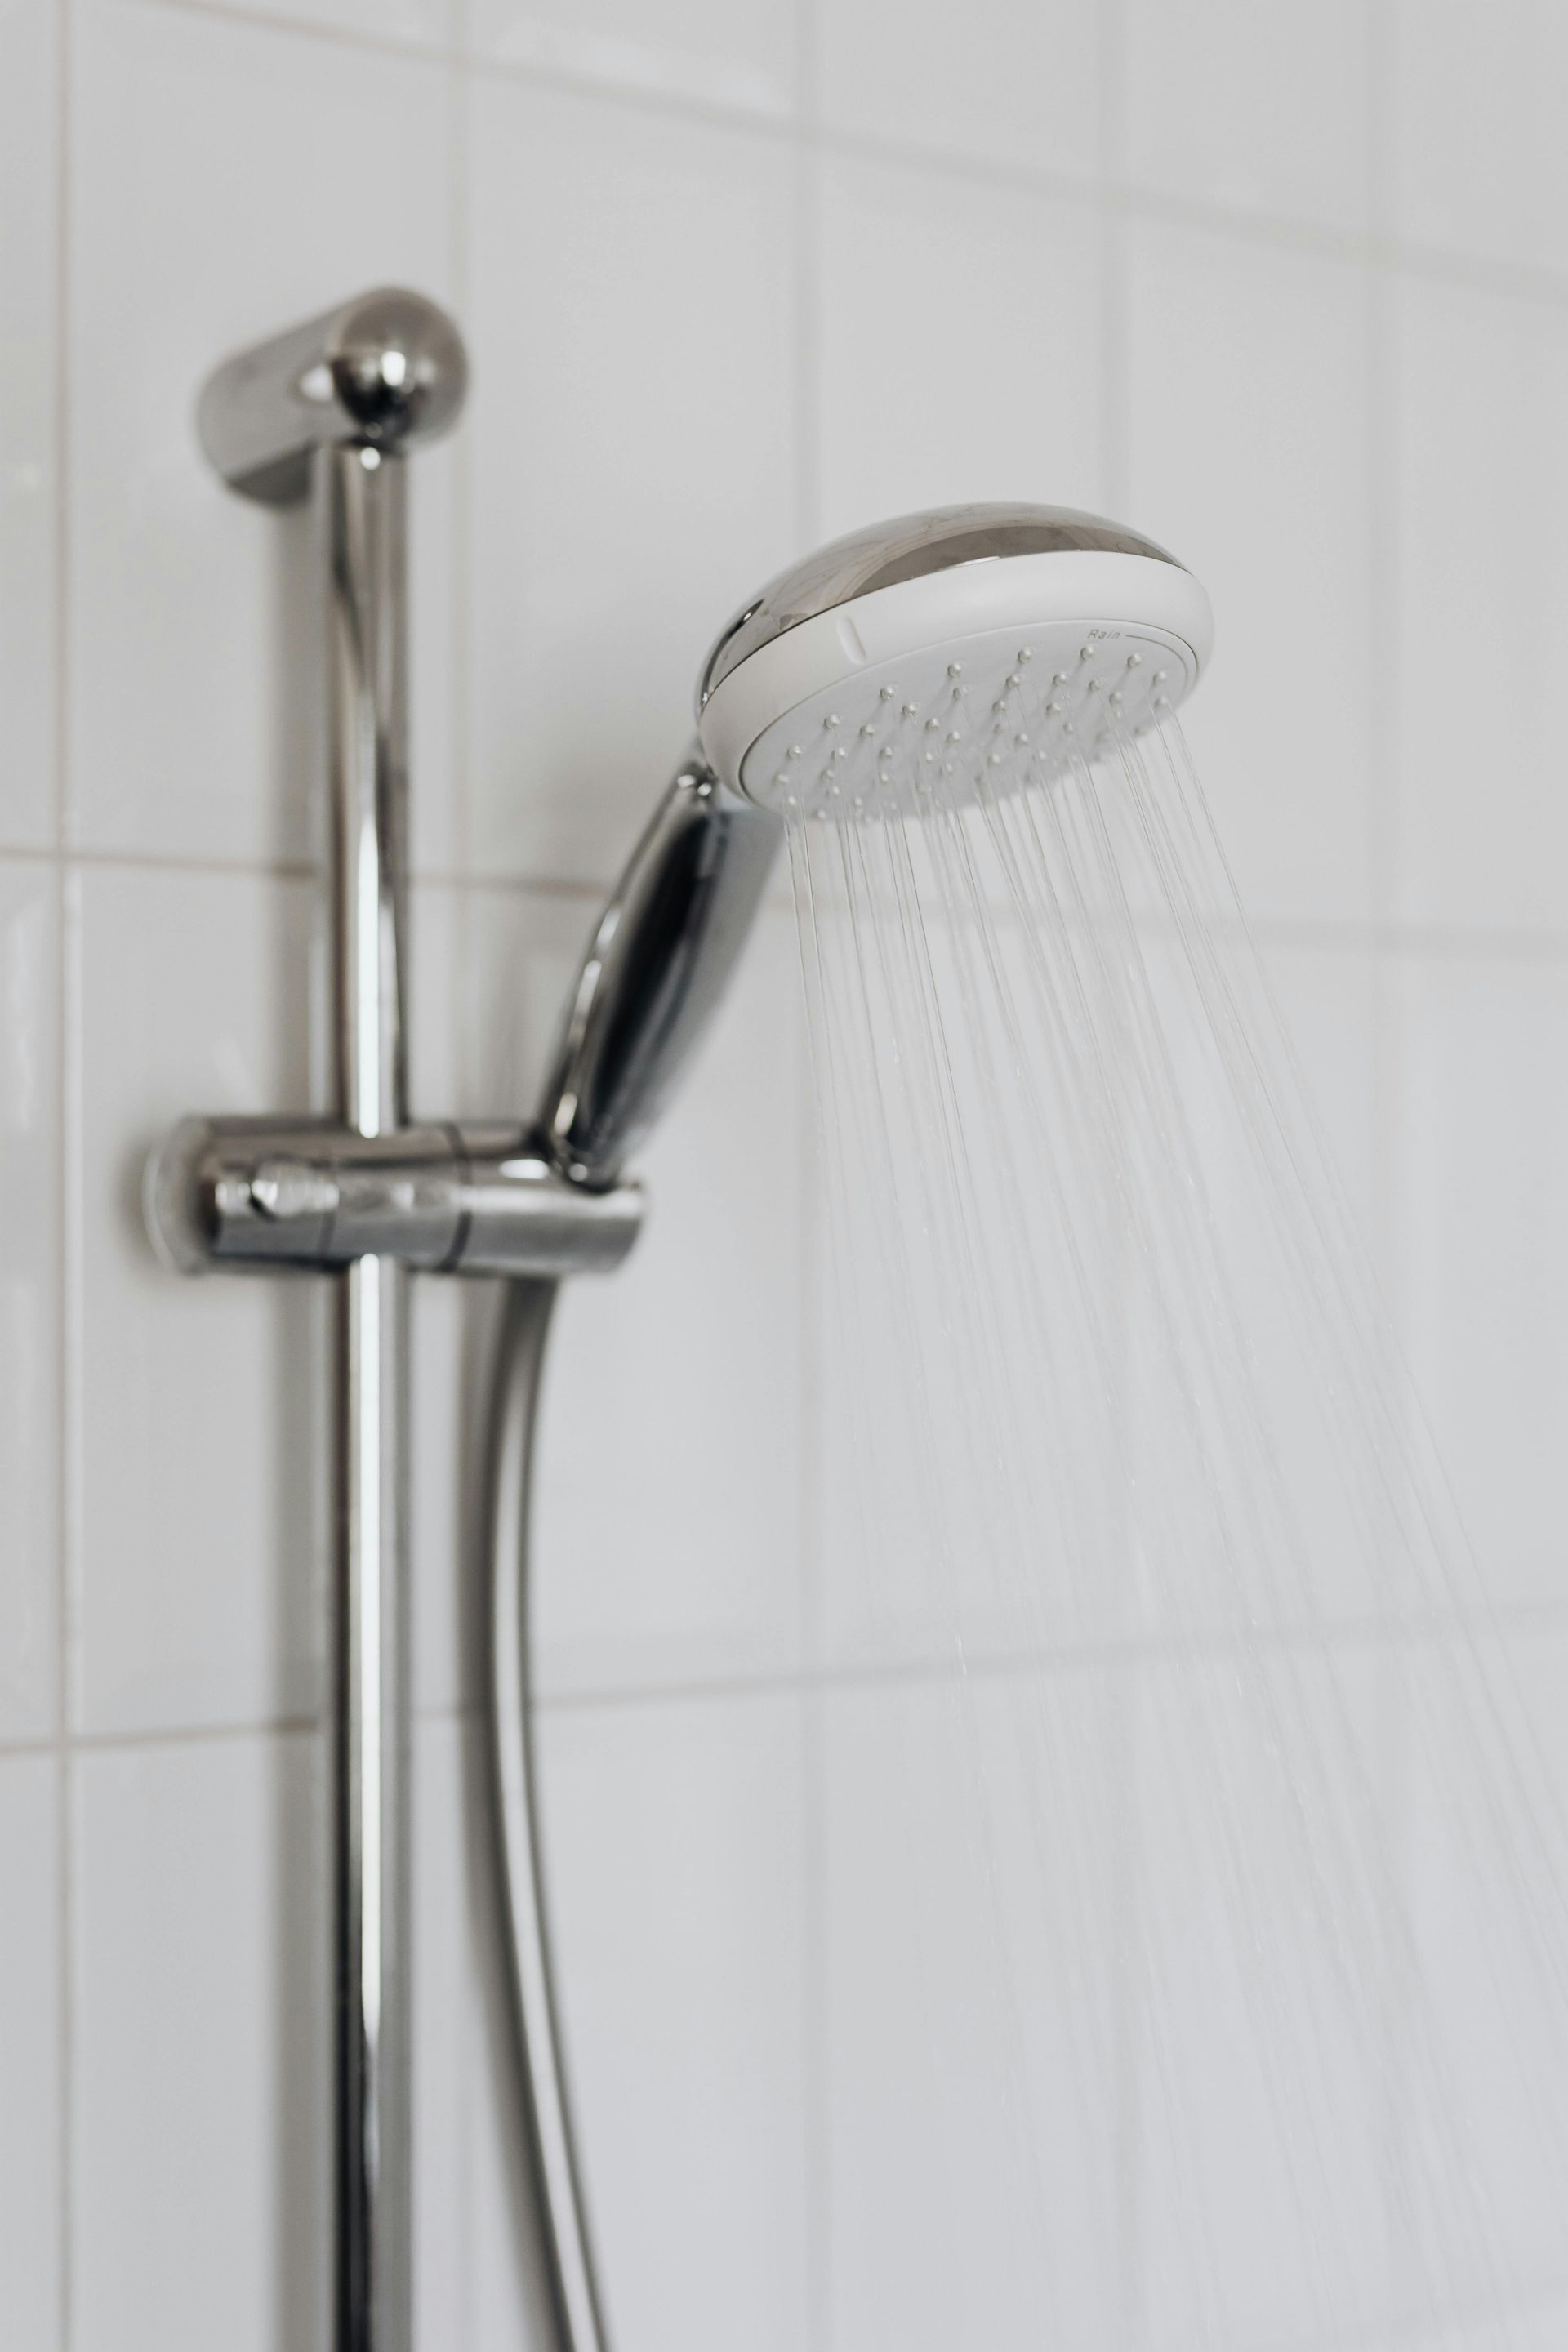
[(360, 498), (907, 547), (658, 962), (272, 1193), (558, 2260), (383, 371)]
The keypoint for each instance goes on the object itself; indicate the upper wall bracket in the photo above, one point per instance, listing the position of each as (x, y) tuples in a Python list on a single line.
[(386, 370)]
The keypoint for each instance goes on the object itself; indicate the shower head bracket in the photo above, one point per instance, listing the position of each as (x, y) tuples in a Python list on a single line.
[(383, 372)]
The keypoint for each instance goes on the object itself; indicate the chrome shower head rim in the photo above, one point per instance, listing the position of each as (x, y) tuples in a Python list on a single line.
[(990, 646)]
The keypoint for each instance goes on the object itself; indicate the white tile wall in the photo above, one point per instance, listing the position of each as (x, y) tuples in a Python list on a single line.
[(631, 301), (1289, 285), (1482, 511), (1493, 100), (1252, 108), (1483, 1275), (29, 1287), (1002, 84), (1249, 377), (936, 271), (31, 2005), (196, 1409), (739, 56), (198, 1994), (29, 263)]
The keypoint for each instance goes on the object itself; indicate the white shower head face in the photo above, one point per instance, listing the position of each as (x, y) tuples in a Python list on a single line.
[(979, 648)]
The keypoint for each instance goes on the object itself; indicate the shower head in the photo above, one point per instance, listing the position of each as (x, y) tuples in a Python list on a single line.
[(990, 643)]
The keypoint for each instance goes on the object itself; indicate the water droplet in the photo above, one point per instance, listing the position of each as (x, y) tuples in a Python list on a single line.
[(1135, 661), (1059, 678), (909, 710), (1020, 739), (1056, 709), (931, 726), (794, 751), (955, 669), (959, 692), (868, 729), (884, 694), (1161, 676), (1025, 653), (1013, 679)]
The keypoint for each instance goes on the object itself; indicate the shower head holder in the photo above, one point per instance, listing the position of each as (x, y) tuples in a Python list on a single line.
[(385, 372)]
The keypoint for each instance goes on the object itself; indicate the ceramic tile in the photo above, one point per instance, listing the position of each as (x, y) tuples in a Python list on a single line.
[(199, 2000), (28, 263), (636, 451), (972, 2052), (203, 1400), (444, 2036), (715, 51), (29, 1302), (174, 579), (422, 24), (1482, 644), (1248, 380), (673, 1837), (1484, 2027), (1327, 1003), (1495, 100), (1484, 1272), (667, 1518), (1001, 84), (30, 2052), (1269, 1832), (913, 412), (1259, 110)]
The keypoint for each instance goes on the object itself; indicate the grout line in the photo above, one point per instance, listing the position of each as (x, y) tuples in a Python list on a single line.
[(66, 1070), (815, 2154), (808, 298), (1342, 934), (867, 1674), (276, 20), (159, 862), (1204, 1649)]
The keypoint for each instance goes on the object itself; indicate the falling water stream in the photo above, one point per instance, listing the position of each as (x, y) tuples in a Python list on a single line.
[(1267, 2040)]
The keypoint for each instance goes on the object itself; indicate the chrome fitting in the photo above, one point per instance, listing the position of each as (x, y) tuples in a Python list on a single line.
[(313, 1194), (382, 372)]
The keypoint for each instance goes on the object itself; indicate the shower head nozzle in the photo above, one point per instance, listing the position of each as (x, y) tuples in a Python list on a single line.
[(983, 646)]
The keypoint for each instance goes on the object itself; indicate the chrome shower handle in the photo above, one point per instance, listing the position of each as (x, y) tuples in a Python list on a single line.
[(660, 960)]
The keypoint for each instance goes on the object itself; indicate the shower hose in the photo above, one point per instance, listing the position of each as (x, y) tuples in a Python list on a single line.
[(559, 2280)]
